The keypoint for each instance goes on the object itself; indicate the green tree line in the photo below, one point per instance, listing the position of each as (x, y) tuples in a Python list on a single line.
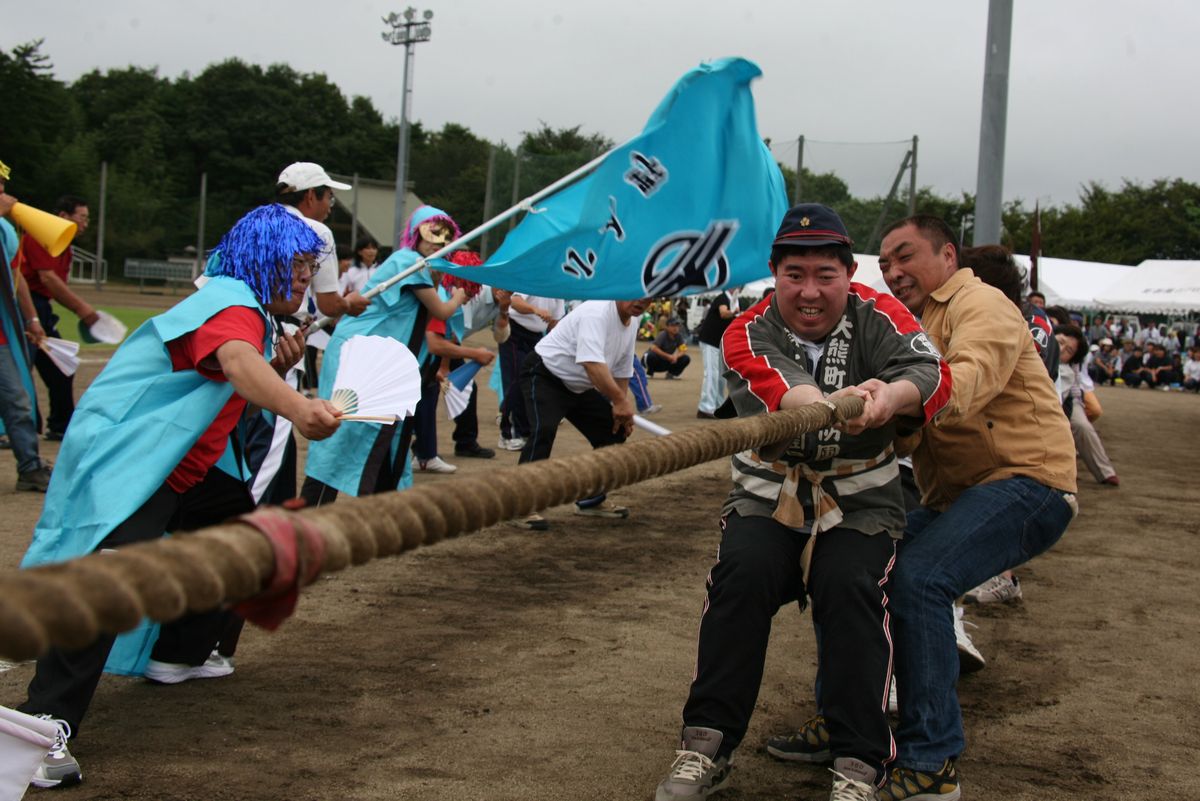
[(241, 124)]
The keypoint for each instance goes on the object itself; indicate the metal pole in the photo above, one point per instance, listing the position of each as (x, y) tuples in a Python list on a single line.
[(516, 193), (100, 230), (873, 244), (989, 185), (484, 244), (200, 226), (912, 180), (799, 169), (354, 214), (402, 154)]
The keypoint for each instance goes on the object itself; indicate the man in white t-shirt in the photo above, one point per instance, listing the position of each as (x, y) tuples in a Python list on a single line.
[(580, 371), (306, 190), (531, 317)]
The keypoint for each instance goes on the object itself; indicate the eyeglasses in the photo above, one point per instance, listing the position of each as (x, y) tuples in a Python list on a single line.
[(299, 263)]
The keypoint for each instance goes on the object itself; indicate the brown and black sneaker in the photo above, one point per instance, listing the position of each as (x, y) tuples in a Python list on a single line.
[(35, 480), (809, 744), (906, 784)]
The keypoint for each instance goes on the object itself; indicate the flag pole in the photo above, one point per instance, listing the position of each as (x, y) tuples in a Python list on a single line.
[(524, 205)]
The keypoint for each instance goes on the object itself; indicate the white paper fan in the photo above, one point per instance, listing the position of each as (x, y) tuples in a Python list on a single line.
[(63, 352), (378, 379), (457, 399), (107, 329)]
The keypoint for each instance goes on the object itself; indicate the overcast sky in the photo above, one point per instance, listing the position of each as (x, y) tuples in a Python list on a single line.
[(1099, 90)]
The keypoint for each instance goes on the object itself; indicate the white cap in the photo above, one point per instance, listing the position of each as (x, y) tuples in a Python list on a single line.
[(306, 175)]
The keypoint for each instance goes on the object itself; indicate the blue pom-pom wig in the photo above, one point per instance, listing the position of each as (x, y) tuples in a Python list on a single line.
[(259, 248)]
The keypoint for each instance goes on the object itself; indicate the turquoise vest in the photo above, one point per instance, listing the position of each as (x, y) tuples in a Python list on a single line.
[(132, 427), (14, 329), (340, 460)]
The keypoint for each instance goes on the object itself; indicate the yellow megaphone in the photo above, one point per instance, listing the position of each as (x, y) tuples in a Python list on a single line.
[(54, 233)]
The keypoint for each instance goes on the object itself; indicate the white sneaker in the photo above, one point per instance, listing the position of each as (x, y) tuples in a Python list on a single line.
[(969, 658), (514, 444), (58, 768), (893, 704), (697, 772), (653, 408), (846, 788), (436, 465), (215, 667), (997, 589)]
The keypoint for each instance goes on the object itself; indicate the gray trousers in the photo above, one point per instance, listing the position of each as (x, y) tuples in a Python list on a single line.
[(1088, 445)]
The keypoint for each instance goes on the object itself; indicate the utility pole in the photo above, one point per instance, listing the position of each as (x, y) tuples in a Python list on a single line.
[(989, 185), (516, 193), (200, 226), (912, 180), (97, 270), (799, 170), (485, 243), (873, 242), (354, 216)]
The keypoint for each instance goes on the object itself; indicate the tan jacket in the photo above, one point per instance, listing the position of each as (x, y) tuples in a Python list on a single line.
[(1004, 418)]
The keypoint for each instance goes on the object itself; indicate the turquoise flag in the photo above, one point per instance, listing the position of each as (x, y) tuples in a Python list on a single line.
[(690, 205)]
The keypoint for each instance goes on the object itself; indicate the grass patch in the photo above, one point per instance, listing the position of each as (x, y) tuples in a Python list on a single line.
[(68, 324)]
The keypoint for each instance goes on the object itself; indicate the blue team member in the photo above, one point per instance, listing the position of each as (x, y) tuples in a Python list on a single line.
[(138, 458), (367, 457)]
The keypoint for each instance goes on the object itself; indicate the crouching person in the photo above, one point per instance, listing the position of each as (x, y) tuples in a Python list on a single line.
[(140, 457)]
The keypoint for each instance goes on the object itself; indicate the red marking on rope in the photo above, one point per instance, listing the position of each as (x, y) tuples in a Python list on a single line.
[(299, 555)]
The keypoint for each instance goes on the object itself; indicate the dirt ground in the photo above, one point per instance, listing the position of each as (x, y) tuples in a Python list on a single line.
[(511, 664)]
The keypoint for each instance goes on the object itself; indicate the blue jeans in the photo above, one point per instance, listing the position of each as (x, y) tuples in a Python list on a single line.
[(17, 412), (990, 528)]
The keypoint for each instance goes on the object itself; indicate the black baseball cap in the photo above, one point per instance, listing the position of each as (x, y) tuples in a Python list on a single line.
[(812, 224)]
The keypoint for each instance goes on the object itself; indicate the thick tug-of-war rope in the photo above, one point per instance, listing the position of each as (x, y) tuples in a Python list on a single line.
[(262, 559)]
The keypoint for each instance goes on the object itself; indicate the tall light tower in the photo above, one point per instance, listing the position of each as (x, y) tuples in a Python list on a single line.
[(405, 30)]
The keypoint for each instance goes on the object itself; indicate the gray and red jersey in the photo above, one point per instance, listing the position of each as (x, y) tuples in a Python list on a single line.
[(877, 337)]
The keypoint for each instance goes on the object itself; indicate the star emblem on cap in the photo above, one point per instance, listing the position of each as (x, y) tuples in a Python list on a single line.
[(805, 222)]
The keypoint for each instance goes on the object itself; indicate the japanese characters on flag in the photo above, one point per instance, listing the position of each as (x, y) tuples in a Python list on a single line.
[(690, 205)]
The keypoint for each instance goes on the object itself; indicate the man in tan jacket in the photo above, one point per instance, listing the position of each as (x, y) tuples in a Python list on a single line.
[(996, 471)]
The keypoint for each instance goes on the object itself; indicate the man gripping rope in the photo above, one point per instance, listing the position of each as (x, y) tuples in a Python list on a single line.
[(816, 517)]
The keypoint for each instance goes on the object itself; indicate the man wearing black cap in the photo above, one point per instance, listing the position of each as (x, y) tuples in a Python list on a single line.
[(817, 336), (666, 352)]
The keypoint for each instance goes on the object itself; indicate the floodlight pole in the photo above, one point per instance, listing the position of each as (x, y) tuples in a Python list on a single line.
[(989, 184), (405, 30)]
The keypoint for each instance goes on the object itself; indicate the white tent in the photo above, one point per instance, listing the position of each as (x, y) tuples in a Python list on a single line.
[(1064, 282), (868, 272), (1155, 287), (1074, 284)]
